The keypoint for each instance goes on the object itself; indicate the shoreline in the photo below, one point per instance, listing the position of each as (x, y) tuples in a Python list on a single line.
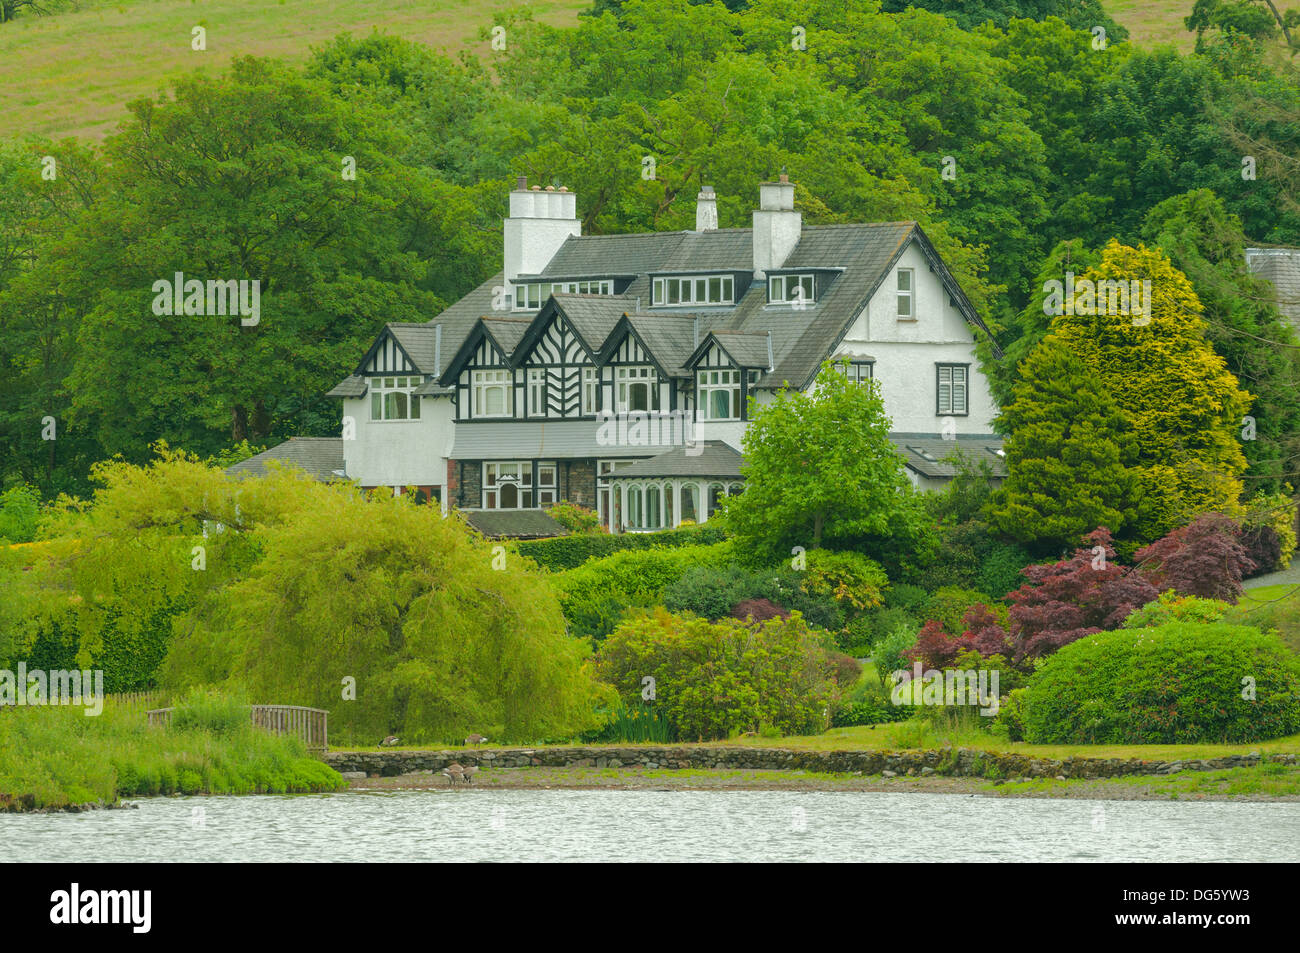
[(1227, 785)]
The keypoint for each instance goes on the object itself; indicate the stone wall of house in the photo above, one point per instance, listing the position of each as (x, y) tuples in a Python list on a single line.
[(965, 762), (469, 493), (579, 483)]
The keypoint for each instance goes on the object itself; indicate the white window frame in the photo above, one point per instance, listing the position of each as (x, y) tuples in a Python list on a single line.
[(519, 473), (590, 390), (853, 370), (390, 386), (906, 296), (708, 380), (957, 384), (536, 392), (529, 296), (679, 291), (485, 379), (627, 376), (781, 289)]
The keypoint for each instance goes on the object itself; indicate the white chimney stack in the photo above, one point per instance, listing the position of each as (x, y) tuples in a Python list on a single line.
[(540, 221), (776, 225), (706, 210)]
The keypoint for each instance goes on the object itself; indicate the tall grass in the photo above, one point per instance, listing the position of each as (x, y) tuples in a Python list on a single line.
[(632, 725), (56, 757)]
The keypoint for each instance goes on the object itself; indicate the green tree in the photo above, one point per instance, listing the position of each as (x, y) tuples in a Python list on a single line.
[(1069, 450), (1205, 241), (1183, 404), (820, 467)]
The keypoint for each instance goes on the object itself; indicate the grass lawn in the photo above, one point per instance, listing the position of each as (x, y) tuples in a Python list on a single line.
[(70, 74), (1150, 22)]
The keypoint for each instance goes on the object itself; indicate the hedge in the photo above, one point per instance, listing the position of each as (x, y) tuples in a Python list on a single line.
[(569, 552), (1177, 683)]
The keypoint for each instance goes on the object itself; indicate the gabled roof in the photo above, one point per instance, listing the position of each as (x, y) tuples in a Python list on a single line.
[(668, 338), (320, 457), (862, 254), (1281, 267), (418, 342), (503, 333), (712, 458), (591, 318), (745, 349)]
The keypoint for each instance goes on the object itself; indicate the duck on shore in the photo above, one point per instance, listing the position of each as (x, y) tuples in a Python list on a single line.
[(454, 773)]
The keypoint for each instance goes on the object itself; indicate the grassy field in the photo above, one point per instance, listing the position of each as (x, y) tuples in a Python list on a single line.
[(1161, 21), (70, 74)]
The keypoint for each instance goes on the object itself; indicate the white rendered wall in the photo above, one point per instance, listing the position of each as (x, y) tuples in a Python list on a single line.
[(398, 452)]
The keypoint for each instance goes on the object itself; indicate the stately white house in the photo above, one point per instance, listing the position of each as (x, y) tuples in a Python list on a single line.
[(615, 371)]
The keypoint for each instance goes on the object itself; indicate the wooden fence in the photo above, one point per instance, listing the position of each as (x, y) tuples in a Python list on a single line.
[(309, 724), (145, 700)]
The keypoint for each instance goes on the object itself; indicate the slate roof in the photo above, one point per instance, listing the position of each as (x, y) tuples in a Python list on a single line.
[(507, 332), (1281, 267), (513, 524), (931, 456), (746, 349), (670, 338), (865, 253), (420, 342), (354, 385), (713, 458), (320, 457), (488, 440)]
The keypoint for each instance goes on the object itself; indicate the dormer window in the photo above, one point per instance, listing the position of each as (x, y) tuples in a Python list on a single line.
[(790, 289), (906, 294), (704, 289), (636, 389), (391, 398), (859, 372), (531, 296)]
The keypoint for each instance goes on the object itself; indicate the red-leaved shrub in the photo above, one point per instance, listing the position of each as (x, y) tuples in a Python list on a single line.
[(1205, 558), (760, 610)]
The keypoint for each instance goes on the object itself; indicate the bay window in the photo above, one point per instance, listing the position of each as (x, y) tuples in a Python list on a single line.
[(635, 388), (508, 485)]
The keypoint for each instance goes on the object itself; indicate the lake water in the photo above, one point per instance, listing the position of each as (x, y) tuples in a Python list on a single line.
[(468, 825)]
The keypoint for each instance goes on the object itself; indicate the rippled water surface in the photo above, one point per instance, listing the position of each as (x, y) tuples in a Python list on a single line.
[(469, 825)]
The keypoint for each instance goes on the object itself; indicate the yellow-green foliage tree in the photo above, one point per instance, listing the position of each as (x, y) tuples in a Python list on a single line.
[(1184, 406), (290, 591)]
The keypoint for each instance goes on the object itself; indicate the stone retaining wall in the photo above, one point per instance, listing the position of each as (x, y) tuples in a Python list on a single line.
[(958, 762)]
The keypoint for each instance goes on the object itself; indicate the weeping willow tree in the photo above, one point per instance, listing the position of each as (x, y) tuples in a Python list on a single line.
[(395, 619)]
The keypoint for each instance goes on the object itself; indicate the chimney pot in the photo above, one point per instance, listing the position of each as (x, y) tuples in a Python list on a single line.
[(785, 179), (564, 188), (537, 188), (521, 184), (550, 188)]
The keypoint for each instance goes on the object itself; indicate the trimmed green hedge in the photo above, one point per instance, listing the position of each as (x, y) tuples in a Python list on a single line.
[(1174, 684), (569, 552)]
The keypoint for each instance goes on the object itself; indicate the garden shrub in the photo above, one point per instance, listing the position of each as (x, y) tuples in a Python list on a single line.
[(911, 599), (1000, 569), (890, 654), (1204, 558), (760, 610), (851, 579), (20, 514), (594, 596), (715, 678), (1178, 683), (1011, 715), (708, 591), (576, 519), (1171, 607), (568, 552), (1277, 511), (1064, 601), (1264, 547), (948, 605)]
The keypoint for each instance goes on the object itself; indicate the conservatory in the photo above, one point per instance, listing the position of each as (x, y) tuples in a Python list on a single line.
[(676, 487)]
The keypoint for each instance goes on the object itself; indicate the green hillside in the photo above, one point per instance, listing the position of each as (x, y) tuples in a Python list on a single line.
[(69, 74)]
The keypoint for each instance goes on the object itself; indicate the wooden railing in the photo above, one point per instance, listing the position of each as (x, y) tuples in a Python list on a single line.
[(309, 724), (146, 700)]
